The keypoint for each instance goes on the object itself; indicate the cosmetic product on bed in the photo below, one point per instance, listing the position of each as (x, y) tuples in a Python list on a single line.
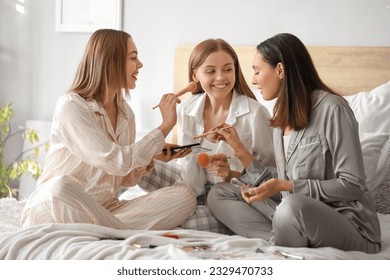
[(287, 255), (189, 88), (111, 238), (144, 246), (174, 236)]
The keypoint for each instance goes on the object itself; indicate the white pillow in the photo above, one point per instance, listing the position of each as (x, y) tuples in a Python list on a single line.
[(382, 199), (269, 104), (372, 109), (375, 149)]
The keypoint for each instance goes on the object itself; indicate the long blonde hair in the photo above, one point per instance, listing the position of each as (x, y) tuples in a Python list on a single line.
[(103, 65)]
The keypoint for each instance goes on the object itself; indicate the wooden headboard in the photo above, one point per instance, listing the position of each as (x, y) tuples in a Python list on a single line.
[(348, 70)]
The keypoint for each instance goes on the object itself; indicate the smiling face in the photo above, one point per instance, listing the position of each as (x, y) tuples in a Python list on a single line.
[(267, 78), (216, 74), (133, 64)]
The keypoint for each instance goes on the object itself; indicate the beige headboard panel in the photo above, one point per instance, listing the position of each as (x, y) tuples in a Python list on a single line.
[(348, 70)]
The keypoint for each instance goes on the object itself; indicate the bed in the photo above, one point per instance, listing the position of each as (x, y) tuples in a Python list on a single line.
[(361, 73)]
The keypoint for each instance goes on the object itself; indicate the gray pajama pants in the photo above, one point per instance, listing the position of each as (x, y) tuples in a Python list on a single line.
[(297, 221)]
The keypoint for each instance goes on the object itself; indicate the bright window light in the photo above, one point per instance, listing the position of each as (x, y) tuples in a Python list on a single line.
[(20, 8)]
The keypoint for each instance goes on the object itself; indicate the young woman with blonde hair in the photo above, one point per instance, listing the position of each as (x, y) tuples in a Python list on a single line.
[(93, 152)]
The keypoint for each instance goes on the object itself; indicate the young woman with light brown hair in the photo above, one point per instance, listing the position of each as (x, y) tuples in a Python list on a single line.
[(222, 96), (93, 152)]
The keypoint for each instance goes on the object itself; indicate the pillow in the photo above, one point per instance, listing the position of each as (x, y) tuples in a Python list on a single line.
[(375, 149), (269, 104), (372, 109), (382, 199)]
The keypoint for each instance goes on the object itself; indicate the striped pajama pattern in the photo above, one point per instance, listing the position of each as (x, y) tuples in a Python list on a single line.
[(61, 201), (88, 163)]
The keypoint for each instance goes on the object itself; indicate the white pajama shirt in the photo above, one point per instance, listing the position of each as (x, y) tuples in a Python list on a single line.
[(88, 163), (249, 118)]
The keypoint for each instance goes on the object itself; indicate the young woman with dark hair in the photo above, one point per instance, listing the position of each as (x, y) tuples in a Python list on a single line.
[(317, 195)]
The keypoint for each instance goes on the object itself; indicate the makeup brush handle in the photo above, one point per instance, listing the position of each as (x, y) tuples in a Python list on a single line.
[(177, 94), (203, 134), (208, 133), (180, 92)]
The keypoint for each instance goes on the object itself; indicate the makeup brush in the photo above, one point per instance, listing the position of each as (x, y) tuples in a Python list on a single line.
[(204, 159), (190, 87), (209, 132)]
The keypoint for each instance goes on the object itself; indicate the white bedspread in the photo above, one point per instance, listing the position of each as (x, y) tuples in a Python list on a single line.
[(83, 241)]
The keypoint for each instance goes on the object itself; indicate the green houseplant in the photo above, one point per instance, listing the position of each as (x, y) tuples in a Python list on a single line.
[(20, 165)]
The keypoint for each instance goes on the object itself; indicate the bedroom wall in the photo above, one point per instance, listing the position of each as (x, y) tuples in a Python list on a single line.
[(37, 64)]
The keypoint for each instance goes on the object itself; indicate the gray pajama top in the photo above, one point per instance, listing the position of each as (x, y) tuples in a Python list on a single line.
[(324, 161)]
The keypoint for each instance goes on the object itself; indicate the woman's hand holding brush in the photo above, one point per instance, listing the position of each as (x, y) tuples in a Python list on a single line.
[(167, 107), (217, 136), (229, 134)]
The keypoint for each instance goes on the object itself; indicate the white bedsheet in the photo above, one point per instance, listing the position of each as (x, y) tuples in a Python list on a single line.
[(82, 241)]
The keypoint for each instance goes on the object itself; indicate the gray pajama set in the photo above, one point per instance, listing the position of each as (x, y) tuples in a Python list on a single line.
[(329, 205)]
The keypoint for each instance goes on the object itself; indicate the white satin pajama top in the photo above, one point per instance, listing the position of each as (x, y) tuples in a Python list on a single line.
[(106, 160)]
